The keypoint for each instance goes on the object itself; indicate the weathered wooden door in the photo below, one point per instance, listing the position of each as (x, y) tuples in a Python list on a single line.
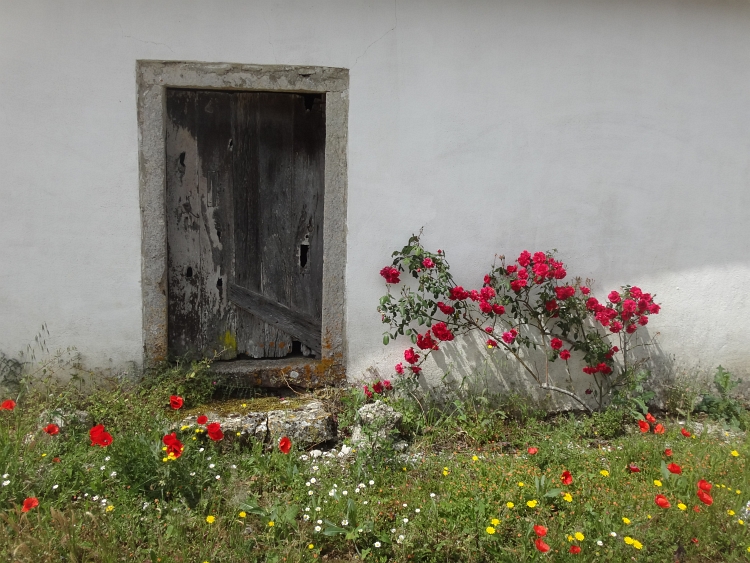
[(245, 184)]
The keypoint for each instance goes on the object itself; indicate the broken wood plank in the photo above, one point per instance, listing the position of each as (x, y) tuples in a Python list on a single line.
[(302, 327)]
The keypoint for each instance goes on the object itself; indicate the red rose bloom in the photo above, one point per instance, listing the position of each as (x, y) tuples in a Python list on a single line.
[(685, 433), (428, 263), (8, 405), (411, 356), (705, 498), (565, 355), (541, 546), (564, 292), (511, 269), (491, 343), (446, 309), (674, 468), (566, 478), (540, 531), (585, 290), (508, 337), (52, 429), (390, 274), (485, 307), (631, 328), (661, 501), (426, 342), (644, 426), (704, 485), (399, 368), (29, 503), (458, 293), (441, 332), (556, 343), (615, 326), (614, 297), (99, 436), (214, 431), (367, 391), (524, 259), (517, 285), (551, 305), (592, 303), (415, 369), (532, 450), (378, 387), (498, 309), (175, 402), (202, 419), (643, 320), (574, 549), (285, 444), (387, 384), (487, 293)]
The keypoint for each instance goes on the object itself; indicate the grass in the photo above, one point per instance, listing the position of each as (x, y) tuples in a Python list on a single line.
[(467, 490)]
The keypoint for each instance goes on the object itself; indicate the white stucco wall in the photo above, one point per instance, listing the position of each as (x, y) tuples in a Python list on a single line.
[(613, 130)]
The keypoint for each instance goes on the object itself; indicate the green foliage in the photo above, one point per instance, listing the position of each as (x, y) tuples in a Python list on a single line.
[(723, 406), (190, 380)]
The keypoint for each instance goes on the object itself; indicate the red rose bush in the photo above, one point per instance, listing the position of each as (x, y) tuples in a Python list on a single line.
[(524, 305)]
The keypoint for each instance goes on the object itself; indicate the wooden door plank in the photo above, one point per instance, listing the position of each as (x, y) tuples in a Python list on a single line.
[(298, 325), (213, 124), (184, 283), (275, 245), (307, 204)]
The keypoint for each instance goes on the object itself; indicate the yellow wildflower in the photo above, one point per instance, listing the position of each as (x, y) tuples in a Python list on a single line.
[(110, 508), (242, 514), (445, 471), (184, 427), (271, 524), (738, 492), (730, 512), (604, 473), (741, 522), (637, 544), (570, 538), (628, 540), (520, 483), (626, 520), (567, 497), (579, 536), (474, 458), (681, 506), (210, 519), (657, 483), (494, 521), (509, 504), (310, 546), (490, 530), (735, 453), (164, 459), (531, 503)]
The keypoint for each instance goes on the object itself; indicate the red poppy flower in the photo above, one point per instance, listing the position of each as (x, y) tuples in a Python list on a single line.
[(202, 419), (668, 452), (574, 549), (532, 450), (633, 468), (695, 541), (174, 446), (99, 436), (541, 546), (650, 418), (56, 460), (540, 531), (704, 485), (566, 478), (674, 468), (175, 402), (696, 508), (29, 503), (644, 426), (285, 445), (52, 429), (659, 429), (214, 431), (377, 387), (685, 433), (705, 498), (8, 405), (387, 385), (662, 501)]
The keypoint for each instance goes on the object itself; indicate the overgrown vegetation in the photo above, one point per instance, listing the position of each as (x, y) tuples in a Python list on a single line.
[(480, 473)]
